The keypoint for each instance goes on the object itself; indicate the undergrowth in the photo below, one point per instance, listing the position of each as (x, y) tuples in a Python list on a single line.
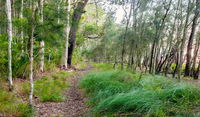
[(50, 88), (10, 105), (47, 88), (118, 92)]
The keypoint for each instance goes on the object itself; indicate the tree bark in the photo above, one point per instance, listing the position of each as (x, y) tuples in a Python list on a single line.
[(124, 38), (9, 30), (41, 43), (41, 51), (67, 34), (31, 56), (79, 10), (22, 32), (196, 51), (183, 41), (59, 4), (197, 75), (191, 39)]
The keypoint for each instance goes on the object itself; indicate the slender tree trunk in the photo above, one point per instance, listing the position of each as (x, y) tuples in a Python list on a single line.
[(159, 30), (115, 63), (151, 67), (9, 30), (79, 10), (67, 33), (124, 38), (196, 51), (41, 43), (183, 41), (197, 75), (59, 4), (191, 39), (31, 56), (97, 13), (177, 62), (22, 32)]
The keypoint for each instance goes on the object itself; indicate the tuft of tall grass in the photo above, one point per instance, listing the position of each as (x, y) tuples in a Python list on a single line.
[(119, 92), (103, 66), (50, 88), (12, 105)]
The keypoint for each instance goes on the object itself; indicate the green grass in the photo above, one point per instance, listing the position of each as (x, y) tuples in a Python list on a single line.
[(118, 92), (12, 105), (50, 88), (103, 66)]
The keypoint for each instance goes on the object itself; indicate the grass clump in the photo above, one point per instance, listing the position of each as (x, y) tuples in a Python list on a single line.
[(103, 85), (50, 89), (12, 105), (103, 66), (117, 92)]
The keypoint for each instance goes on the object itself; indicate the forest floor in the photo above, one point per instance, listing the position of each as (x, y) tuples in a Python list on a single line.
[(73, 106)]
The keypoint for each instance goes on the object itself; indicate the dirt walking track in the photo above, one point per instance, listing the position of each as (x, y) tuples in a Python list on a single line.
[(73, 106)]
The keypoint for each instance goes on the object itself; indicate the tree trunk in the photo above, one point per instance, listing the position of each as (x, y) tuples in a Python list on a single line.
[(79, 10), (9, 18), (183, 41), (59, 4), (67, 34), (21, 31), (197, 75), (97, 12), (191, 39), (31, 57), (124, 38), (196, 51), (41, 43), (151, 67)]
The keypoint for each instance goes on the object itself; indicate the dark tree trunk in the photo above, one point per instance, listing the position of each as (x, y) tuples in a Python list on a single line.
[(177, 62), (183, 41), (196, 51), (152, 58), (197, 73), (79, 10), (124, 38), (191, 39)]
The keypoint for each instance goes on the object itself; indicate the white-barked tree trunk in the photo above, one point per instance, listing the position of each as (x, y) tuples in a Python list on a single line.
[(41, 43), (67, 33), (9, 30)]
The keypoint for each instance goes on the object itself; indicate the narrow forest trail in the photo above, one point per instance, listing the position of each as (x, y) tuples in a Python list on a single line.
[(73, 106)]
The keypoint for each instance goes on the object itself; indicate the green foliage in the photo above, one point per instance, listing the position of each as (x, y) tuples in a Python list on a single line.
[(3, 57), (117, 92), (78, 60), (90, 30)]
